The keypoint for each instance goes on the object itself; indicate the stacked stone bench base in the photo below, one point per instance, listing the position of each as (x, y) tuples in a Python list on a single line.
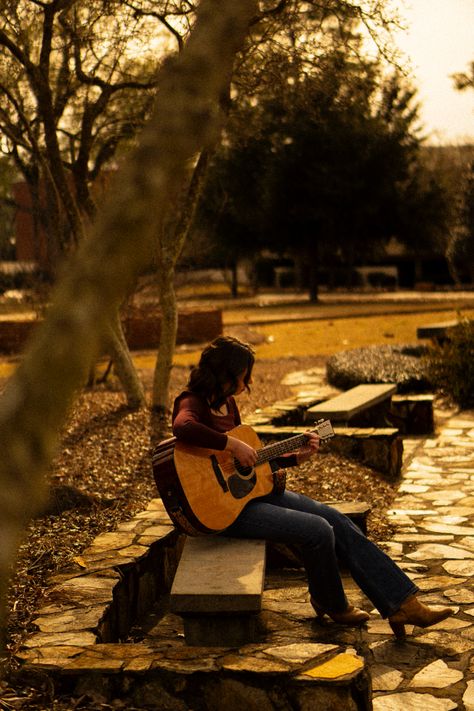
[(88, 610), (413, 414), (378, 448)]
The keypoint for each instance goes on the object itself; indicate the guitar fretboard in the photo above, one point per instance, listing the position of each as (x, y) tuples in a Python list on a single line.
[(270, 451), (323, 428)]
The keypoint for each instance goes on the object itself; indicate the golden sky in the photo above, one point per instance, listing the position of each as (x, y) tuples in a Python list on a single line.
[(440, 42)]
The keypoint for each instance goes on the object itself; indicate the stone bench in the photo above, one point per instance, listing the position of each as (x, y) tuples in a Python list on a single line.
[(218, 585), (218, 589), (437, 332), (413, 414), (362, 405)]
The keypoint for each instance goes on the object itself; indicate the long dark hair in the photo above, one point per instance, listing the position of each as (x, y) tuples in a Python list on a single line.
[(220, 365)]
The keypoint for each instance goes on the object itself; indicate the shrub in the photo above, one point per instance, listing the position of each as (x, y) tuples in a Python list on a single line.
[(400, 364), (451, 364)]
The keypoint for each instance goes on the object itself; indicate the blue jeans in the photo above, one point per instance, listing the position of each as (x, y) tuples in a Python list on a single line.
[(324, 536)]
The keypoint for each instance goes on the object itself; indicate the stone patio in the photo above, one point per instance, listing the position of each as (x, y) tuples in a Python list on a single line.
[(88, 638)]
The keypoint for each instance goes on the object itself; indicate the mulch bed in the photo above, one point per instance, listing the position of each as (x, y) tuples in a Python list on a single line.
[(102, 476)]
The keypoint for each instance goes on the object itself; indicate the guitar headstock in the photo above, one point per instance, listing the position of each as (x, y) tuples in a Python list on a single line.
[(324, 429)]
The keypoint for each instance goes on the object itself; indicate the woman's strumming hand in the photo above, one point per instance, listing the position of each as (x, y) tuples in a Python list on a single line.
[(241, 451)]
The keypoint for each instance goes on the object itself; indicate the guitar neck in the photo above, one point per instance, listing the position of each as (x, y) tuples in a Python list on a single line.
[(271, 451)]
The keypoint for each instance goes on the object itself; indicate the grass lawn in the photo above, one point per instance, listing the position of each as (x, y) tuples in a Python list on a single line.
[(328, 336), (312, 337)]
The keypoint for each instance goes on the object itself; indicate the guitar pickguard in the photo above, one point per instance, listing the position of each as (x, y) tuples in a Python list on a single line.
[(239, 487)]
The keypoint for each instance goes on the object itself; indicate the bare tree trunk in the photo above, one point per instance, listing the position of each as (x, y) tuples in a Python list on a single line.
[(164, 362), (117, 348), (234, 278), (300, 264), (313, 283), (36, 401), (170, 244)]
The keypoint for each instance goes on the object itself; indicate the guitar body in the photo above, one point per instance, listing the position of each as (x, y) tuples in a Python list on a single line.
[(202, 489)]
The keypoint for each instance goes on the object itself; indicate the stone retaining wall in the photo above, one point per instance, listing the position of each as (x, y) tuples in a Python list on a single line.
[(14, 332), (142, 329), (89, 610)]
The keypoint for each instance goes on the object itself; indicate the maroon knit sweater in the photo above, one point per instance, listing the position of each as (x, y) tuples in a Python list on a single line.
[(195, 424)]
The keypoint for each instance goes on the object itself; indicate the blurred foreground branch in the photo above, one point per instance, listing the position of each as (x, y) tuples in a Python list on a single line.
[(35, 403)]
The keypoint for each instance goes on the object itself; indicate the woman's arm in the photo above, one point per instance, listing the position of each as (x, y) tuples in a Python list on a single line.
[(192, 425)]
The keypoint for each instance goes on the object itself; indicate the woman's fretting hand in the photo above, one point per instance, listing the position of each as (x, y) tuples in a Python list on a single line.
[(241, 451), (309, 448)]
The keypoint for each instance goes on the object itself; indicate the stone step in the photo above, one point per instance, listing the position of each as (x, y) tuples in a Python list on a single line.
[(379, 448)]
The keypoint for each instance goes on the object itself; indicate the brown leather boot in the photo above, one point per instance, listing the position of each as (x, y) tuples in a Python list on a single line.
[(413, 612), (352, 616)]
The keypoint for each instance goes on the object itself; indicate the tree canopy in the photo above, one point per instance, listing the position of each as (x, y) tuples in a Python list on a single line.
[(76, 82), (319, 165)]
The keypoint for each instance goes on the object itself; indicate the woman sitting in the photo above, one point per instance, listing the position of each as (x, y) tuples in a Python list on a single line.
[(202, 417)]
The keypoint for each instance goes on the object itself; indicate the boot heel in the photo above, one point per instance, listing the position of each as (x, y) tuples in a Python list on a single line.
[(398, 629), (320, 613)]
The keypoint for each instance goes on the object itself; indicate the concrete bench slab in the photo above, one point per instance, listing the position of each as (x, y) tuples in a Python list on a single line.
[(345, 406), (218, 574), (436, 331), (218, 590)]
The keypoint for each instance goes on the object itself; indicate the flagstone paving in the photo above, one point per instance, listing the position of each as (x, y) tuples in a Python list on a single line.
[(433, 541), (433, 516)]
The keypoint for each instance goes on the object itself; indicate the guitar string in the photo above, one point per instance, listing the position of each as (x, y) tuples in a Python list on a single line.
[(270, 451)]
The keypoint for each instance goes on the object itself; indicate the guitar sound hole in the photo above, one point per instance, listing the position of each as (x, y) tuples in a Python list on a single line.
[(244, 472)]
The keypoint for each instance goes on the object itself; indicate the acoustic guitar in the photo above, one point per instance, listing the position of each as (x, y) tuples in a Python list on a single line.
[(204, 490)]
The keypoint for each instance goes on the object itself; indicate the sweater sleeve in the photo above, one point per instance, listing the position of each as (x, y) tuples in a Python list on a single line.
[(285, 461), (192, 425)]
